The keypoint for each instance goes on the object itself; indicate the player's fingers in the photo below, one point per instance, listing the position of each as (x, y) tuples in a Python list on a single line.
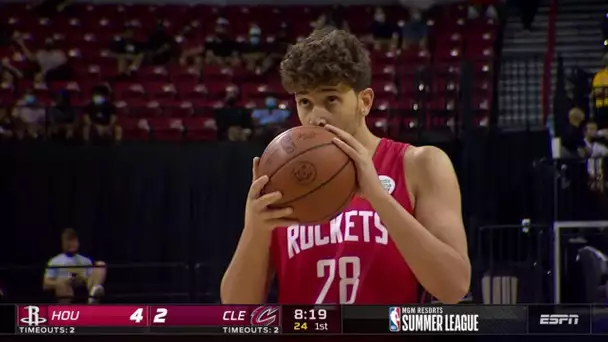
[(354, 155), (273, 214), (257, 186), (254, 167), (268, 199), (346, 137)]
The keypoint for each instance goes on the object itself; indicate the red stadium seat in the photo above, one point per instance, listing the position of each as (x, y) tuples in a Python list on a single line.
[(133, 128), (200, 128), (166, 129)]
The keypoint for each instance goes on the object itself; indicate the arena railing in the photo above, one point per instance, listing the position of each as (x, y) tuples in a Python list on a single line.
[(510, 263), (125, 283)]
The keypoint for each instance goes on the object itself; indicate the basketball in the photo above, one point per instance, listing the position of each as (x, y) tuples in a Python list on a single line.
[(317, 179)]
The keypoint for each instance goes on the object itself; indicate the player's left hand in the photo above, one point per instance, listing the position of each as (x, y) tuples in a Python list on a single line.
[(367, 177)]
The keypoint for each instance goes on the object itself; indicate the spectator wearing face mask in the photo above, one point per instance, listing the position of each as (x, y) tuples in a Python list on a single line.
[(62, 116), (253, 51), (382, 32), (160, 45), (220, 49), (413, 31), (29, 116), (233, 121), (129, 52), (51, 61), (270, 120), (100, 115)]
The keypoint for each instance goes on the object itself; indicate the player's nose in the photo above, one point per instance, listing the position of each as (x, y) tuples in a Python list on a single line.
[(318, 118)]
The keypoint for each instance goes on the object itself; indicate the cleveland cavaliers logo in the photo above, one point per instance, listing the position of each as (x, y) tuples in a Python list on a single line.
[(304, 173)]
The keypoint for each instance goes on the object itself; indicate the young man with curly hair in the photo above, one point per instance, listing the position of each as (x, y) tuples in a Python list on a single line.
[(401, 235)]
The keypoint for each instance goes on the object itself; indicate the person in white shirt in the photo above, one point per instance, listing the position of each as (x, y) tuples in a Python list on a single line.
[(62, 279)]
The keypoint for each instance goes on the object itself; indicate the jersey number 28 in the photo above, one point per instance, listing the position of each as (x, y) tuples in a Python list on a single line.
[(327, 269)]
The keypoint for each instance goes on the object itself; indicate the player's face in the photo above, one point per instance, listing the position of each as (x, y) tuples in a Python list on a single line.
[(71, 245), (339, 106)]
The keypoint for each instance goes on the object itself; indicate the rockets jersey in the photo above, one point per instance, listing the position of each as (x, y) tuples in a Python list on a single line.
[(351, 259)]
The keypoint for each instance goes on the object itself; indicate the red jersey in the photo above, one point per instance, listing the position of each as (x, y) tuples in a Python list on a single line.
[(351, 259)]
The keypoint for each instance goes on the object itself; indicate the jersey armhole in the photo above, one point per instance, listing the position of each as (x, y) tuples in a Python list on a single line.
[(403, 149)]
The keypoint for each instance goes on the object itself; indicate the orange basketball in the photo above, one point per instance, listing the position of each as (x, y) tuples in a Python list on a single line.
[(317, 179)]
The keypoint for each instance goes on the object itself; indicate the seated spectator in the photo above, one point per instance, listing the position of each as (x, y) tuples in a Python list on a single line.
[(65, 281), (255, 53), (100, 115), (51, 61), (381, 31), (595, 146), (600, 94), (572, 139), (62, 116), (160, 45), (29, 117), (192, 51), (6, 124), (333, 18), (413, 31), (220, 49), (128, 52), (233, 121), (50, 8), (269, 121), (8, 73)]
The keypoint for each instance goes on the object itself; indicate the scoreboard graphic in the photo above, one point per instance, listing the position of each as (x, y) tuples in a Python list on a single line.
[(34, 319)]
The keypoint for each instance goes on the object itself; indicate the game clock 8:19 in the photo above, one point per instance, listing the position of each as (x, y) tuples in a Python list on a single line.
[(318, 319)]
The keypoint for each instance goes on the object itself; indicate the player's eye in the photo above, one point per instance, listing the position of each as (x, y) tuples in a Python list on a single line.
[(303, 102), (332, 99)]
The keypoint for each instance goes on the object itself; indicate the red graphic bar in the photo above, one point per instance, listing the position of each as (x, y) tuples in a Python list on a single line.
[(83, 315), (214, 315)]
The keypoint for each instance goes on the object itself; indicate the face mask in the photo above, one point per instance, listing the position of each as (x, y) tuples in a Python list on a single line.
[(379, 17), (254, 40), (30, 99), (255, 31), (98, 100), (271, 103)]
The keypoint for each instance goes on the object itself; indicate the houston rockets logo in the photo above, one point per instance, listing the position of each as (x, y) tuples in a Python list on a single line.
[(264, 315)]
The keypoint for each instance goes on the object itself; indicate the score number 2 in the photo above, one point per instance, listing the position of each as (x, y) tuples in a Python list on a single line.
[(327, 268), (159, 317)]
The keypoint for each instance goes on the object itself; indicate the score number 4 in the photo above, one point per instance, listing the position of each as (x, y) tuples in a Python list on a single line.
[(160, 316)]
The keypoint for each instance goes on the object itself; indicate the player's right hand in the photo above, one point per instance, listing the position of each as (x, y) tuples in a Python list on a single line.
[(257, 212)]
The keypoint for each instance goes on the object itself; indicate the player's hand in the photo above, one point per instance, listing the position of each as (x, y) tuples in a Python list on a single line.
[(257, 213), (367, 177)]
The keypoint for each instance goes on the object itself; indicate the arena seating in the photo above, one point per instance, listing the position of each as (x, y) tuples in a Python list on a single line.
[(410, 85)]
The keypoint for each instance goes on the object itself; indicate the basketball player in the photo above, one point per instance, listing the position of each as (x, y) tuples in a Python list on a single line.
[(403, 232), (64, 280)]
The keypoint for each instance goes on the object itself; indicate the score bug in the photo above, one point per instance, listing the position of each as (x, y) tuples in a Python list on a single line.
[(310, 320)]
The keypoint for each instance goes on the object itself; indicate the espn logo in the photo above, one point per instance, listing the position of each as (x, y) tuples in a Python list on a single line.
[(559, 319), (394, 319)]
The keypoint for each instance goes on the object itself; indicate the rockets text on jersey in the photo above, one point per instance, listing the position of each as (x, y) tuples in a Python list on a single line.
[(351, 259)]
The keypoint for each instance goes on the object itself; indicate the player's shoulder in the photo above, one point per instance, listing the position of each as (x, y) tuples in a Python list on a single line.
[(57, 260), (426, 161), (83, 259)]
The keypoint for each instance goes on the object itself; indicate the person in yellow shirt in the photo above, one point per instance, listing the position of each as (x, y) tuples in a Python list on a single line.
[(600, 94)]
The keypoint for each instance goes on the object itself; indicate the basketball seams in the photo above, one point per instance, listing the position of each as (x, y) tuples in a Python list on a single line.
[(322, 184), (342, 206)]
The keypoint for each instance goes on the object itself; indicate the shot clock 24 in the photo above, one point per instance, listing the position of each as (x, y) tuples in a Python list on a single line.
[(324, 319)]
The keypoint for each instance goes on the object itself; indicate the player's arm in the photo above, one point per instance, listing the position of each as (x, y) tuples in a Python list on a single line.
[(434, 242), (249, 274)]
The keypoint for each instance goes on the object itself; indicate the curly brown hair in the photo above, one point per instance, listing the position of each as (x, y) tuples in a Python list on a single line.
[(327, 57)]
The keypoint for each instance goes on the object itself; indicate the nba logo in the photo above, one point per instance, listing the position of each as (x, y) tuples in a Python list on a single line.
[(394, 319)]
